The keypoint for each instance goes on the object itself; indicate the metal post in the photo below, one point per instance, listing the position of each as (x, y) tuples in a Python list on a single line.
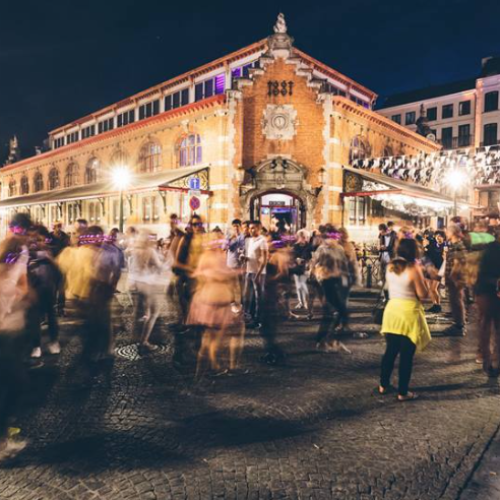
[(121, 212), (455, 204), (369, 275)]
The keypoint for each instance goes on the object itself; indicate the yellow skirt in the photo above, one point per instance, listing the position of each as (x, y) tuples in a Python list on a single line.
[(407, 317)]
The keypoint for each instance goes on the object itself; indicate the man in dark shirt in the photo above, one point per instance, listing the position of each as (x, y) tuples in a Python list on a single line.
[(488, 303), (59, 240)]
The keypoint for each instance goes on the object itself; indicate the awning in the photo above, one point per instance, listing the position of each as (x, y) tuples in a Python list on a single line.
[(175, 179), (398, 194)]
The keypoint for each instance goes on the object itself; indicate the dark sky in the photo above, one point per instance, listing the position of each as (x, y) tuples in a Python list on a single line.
[(62, 59)]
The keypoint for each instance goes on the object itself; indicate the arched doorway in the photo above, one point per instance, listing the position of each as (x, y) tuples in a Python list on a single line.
[(273, 206)]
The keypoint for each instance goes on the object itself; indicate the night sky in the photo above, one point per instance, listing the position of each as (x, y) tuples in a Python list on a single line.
[(62, 59)]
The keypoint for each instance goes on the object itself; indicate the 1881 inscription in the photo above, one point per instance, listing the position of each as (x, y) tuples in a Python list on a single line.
[(276, 88)]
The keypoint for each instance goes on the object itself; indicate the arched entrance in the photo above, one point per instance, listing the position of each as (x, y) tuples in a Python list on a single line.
[(282, 207), (278, 188)]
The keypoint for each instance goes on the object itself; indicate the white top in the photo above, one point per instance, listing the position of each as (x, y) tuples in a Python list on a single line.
[(400, 286), (255, 249)]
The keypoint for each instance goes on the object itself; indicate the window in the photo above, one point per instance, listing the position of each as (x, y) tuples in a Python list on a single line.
[(447, 111), (91, 171), (490, 134), (12, 188), (432, 114), (88, 131), (71, 176), (447, 137), (38, 182), (352, 210), (410, 118), (150, 157), (94, 212), (91, 212), (25, 185), (388, 151), (105, 125), (119, 158), (150, 109), (59, 142), (126, 117), (73, 137), (359, 149), (71, 213), (396, 119), (190, 151), (210, 87), (464, 136), (54, 181), (357, 210), (180, 98), (464, 108), (491, 101)]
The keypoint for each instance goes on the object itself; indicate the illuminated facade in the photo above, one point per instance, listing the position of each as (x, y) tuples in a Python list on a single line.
[(262, 132)]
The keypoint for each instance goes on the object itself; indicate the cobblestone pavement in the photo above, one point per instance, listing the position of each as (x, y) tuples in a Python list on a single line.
[(309, 429)]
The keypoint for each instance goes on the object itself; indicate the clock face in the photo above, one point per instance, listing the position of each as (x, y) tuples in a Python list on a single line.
[(280, 121)]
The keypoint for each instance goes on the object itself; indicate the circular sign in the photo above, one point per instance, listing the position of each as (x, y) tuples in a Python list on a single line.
[(194, 203)]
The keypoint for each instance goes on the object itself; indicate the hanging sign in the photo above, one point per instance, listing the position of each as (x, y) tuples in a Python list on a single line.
[(194, 203), (194, 183)]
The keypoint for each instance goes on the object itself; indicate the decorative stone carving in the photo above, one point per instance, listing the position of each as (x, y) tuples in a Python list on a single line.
[(280, 44), (280, 26), (279, 122)]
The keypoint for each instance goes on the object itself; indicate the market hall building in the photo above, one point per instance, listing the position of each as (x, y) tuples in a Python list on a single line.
[(262, 132)]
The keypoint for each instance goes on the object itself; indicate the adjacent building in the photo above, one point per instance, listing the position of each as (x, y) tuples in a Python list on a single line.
[(262, 132)]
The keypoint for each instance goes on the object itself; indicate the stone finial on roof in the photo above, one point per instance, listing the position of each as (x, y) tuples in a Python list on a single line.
[(280, 26)]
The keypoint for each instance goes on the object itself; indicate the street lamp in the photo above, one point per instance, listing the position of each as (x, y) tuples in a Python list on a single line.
[(121, 179), (456, 179)]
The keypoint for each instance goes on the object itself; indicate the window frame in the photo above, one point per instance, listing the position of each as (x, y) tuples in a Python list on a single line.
[(413, 115), (54, 175), (461, 106), (434, 111), (447, 111), (488, 105)]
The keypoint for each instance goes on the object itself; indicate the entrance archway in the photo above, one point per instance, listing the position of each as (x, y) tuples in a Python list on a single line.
[(279, 208)]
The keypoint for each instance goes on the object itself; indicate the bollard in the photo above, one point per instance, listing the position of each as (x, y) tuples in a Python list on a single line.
[(368, 276)]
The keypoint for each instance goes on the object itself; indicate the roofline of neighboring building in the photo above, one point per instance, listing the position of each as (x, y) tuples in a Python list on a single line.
[(385, 122), (183, 110), (206, 68), (469, 81)]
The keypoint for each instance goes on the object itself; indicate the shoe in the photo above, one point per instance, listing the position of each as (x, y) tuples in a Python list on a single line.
[(299, 306), (35, 363), (54, 348), (410, 396), (36, 353), (435, 309), (12, 448), (455, 331)]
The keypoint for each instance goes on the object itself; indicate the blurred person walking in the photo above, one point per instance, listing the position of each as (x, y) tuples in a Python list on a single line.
[(302, 255), (435, 254), (404, 325)]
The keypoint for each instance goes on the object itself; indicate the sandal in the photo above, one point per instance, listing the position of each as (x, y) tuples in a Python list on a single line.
[(411, 396)]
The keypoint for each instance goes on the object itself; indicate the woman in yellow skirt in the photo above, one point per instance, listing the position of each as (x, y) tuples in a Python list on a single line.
[(404, 324)]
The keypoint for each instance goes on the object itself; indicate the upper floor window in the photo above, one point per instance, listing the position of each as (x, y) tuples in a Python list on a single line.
[(447, 111), (54, 181), (12, 188), (190, 151), (59, 142), (126, 117), (359, 149), (106, 125), (410, 118), (150, 157), (180, 98), (25, 185), (38, 182), (72, 137), (491, 101), (490, 134), (149, 109), (71, 176), (464, 108), (119, 158), (88, 131), (396, 119), (210, 87), (464, 137), (91, 171), (432, 114)]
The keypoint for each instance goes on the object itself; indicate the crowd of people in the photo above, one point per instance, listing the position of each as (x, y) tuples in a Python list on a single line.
[(221, 285)]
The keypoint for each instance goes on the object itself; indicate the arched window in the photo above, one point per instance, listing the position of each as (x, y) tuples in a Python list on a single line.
[(150, 157), (38, 182), (12, 188), (388, 151), (190, 151), (25, 185), (119, 158), (91, 171), (359, 149), (71, 176), (54, 181)]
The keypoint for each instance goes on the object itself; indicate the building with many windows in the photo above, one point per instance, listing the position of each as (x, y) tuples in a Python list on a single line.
[(263, 132)]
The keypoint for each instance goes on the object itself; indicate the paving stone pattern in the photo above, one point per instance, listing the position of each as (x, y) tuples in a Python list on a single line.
[(309, 429)]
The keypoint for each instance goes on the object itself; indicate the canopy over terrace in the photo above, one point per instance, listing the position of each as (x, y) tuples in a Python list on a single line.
[(177, 179), (396, 194)]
